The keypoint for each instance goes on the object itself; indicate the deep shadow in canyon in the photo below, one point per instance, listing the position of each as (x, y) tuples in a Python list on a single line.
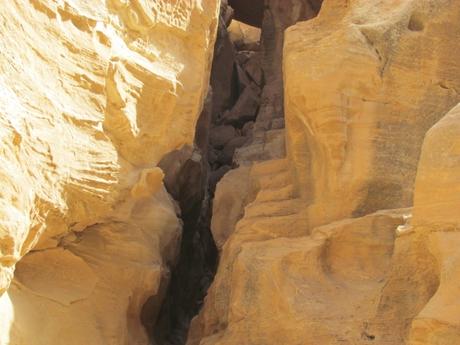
[(245, 100)]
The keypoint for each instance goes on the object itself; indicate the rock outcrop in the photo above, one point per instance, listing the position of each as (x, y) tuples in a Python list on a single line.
[(356, 120), (223, 127), (436, 222), (321, 247), (276, 172), (93, 95)]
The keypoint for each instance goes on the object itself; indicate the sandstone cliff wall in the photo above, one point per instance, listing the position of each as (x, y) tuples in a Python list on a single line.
[(93, 95), (321, 247), (336, 219), (356, 120), (436, 222)]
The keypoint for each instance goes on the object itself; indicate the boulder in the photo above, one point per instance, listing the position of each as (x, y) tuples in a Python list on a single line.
[(245, 108), (243, 36), (221, 135), (226, 155)]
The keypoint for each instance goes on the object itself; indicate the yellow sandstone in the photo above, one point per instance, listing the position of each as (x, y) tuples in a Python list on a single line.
[(325, 249), (93, 94), (340, 229)]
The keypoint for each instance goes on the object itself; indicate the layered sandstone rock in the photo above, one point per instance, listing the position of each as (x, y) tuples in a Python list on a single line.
[(317, 242), (436, 221), (323, 250), (93, 95), (422, 290), (364, 82), (320, 289)]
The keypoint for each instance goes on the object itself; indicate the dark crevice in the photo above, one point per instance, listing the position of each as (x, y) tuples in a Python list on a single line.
[(197, 262), (248, 11), (191, 178), (245, 98), (416, 22)]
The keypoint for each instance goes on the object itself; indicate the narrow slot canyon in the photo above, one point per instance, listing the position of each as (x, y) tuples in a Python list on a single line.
[(242, 122), (224, 126), (229, 172)]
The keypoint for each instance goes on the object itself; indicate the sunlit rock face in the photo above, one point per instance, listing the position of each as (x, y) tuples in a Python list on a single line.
[(436, 221), (321, 247), (339, 229), (364, 81), (422, 291), (92, 95)]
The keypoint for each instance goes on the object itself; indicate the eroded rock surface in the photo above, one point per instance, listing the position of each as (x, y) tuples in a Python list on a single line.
[(93, 95), (324, 249), (356, 119), (436, 222), (327, 155)]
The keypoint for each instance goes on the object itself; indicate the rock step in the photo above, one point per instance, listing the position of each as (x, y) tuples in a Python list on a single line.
[(273, 208), (274, 181), (272, 166), (291, 225), (275, 194)]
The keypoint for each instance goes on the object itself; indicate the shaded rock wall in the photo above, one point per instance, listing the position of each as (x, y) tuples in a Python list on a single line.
[(224, 125)]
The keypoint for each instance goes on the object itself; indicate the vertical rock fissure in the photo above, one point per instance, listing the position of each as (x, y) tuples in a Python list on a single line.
[(242, 113), (192, 174)]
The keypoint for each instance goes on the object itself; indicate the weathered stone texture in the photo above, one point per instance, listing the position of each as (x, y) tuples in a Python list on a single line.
[(336, 212), (324, 249), (93, 95), (356, 119), (436, 221)]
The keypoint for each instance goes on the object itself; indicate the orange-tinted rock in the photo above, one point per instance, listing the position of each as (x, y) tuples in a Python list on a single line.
[(93, 95), (436, 220), (322, 251), (363, 86)]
